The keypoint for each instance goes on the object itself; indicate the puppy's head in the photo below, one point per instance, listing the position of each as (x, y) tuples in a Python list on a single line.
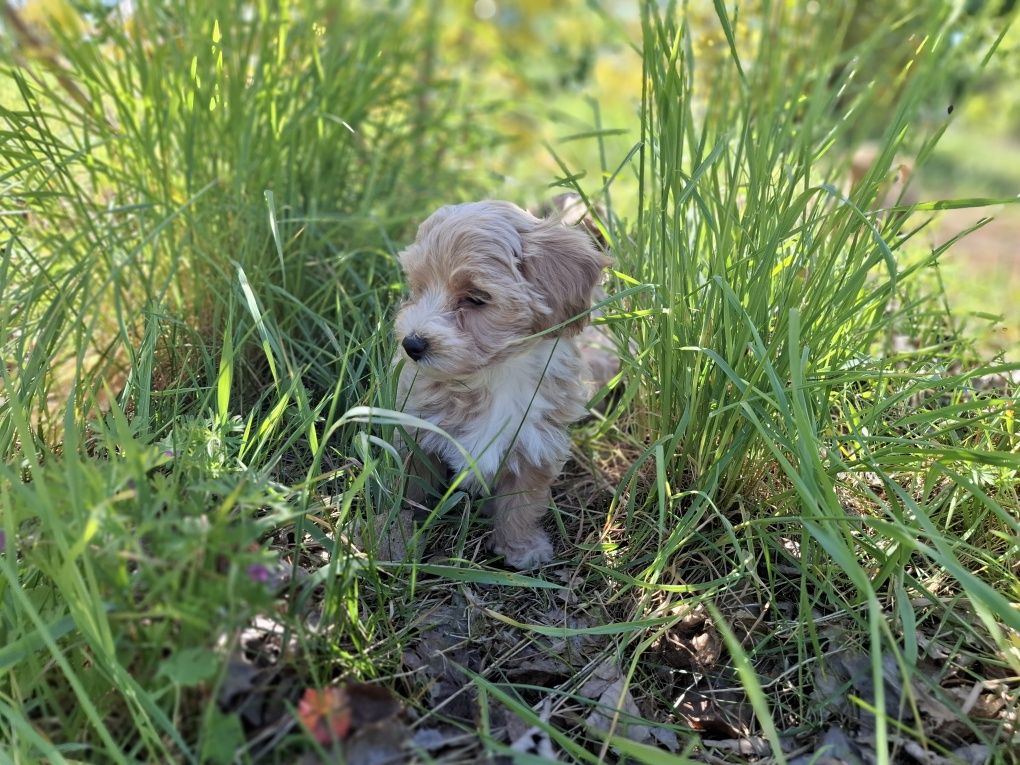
[(483, 276)]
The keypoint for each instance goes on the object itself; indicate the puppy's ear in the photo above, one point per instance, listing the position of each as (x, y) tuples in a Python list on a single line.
[(443, 213), (569, 208), (563, 266)]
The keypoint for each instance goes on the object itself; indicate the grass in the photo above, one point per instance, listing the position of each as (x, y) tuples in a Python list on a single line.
[(801, 518)]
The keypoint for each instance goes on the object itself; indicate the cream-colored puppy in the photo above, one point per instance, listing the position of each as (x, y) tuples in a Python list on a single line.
[(484, 279)]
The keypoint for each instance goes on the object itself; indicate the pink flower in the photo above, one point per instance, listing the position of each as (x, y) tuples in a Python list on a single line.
[(257, 572)]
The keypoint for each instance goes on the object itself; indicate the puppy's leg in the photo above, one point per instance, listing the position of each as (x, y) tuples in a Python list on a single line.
[(424, 475), (518, 505)]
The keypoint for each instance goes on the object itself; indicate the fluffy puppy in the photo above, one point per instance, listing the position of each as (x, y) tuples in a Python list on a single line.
[(484, 279)]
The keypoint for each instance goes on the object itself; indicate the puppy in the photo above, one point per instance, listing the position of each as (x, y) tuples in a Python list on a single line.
[(485, 278)]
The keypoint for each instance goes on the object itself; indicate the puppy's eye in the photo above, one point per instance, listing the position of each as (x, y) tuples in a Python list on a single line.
[(476, 298)]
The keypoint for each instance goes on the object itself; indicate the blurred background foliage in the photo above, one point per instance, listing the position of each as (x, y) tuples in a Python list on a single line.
[(536, 64)]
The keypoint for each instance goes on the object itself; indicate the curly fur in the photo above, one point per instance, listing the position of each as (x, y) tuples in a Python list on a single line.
[(485, 278)]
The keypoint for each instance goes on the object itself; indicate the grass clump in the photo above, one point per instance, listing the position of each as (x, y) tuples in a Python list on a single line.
[(196, 274), (797, 529), (794, 344)]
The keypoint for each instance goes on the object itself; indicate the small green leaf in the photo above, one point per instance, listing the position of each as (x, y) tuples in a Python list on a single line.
[(222, 738), (224, 380), (190, 666)]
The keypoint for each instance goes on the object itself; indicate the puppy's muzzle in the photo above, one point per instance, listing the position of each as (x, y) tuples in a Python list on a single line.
[(415, 346)]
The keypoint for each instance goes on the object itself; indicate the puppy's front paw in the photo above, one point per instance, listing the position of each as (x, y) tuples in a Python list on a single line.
[(530, 552)]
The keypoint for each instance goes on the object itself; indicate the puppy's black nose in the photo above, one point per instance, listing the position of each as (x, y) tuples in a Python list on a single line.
[(415, 345)]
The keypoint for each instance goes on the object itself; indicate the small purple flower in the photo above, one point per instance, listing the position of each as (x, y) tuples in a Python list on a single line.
[(169, 454), (257, 572)]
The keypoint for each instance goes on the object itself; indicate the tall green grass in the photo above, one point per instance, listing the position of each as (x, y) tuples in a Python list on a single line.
[(201, 208), (745, 218), (271, 144), (769, 380)]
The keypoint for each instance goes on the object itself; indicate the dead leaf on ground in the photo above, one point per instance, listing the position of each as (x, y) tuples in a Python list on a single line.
[(985, 699), (537, 668), (835, 747), (693, 643), (916, 702), (434, 739), (576, 650), (752, 746), (606, 673), (377, 745), (437, 654), (616, 708), (937, 718), (708, 713), (972, 754), (257, 687), (260, 695), (666, 739), (548, 661), (371, 704), (534, 740), (238, 681)]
